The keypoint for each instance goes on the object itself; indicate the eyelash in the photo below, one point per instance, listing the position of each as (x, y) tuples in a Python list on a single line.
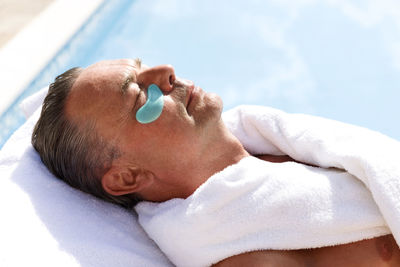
[(136, 106), (138, 63)]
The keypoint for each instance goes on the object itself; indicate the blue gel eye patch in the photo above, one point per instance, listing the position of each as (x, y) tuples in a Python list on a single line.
[(153, 107)]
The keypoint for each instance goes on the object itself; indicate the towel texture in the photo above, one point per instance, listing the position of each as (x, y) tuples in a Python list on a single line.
[(352, 195), (44, 222)]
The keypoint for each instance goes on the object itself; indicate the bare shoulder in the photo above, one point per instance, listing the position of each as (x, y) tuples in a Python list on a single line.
[(265, 258), (378, 252)]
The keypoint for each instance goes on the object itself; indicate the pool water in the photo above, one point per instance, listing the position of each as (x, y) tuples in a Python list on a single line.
[(327, 58)]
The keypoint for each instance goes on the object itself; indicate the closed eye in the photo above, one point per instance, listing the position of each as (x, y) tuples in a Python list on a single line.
[(138, 102)]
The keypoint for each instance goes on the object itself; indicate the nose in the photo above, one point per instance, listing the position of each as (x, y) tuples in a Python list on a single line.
[(163, 76)]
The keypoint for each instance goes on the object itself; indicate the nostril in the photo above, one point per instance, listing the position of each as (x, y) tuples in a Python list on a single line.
[(171, 79)]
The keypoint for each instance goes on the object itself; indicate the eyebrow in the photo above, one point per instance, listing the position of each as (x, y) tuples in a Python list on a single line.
[(125, 83), (128, 79)]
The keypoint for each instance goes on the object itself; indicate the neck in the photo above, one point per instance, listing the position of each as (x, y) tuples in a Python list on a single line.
[(227, 151), (223, 150)]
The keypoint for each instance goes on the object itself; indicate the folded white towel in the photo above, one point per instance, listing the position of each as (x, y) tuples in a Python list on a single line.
[(260, 205), (368, 155)]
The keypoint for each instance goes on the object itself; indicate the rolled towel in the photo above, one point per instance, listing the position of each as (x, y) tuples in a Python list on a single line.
[(368, 155), (255, 205)]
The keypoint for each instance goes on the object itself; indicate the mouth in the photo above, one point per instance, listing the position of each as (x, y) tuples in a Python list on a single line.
[(188, 91), (190, 96), (193, 99)]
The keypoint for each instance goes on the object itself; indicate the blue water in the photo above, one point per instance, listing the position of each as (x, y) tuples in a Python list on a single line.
[(76, 52), (337, 60)]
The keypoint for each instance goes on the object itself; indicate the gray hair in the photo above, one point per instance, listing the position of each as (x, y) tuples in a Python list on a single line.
[(76, 154)]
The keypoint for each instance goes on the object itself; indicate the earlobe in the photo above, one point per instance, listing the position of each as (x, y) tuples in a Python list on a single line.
[(119, 181)]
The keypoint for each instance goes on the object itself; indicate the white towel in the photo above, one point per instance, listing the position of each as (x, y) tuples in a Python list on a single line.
[(260, 205), (44, 222), (30, 104)]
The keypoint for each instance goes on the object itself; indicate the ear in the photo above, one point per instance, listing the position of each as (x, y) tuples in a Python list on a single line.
[(126, 180)]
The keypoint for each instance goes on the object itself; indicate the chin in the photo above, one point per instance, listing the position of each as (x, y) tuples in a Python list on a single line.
[(214, 107), (210, 111), (216, 103)]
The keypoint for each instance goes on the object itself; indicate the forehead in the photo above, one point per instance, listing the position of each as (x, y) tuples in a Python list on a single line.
[(103, 76), (104, 70), (112, 63), (97, 90)]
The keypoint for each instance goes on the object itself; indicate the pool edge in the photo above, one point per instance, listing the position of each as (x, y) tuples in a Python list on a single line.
[(46, 35)]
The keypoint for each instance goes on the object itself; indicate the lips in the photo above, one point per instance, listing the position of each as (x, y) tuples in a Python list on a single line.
[(195, 93), (186, 90), (190, 96)]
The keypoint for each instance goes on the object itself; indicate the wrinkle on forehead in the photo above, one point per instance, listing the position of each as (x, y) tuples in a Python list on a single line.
[(94, 94), (124, 61), (96, 75)]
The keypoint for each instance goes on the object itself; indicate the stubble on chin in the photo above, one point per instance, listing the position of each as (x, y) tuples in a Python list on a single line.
[(210, 110)]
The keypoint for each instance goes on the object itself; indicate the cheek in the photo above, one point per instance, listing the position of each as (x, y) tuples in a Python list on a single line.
[(174, 117), (165, 149), (171, 135), (173, 107), (171, 140), (167, 131)]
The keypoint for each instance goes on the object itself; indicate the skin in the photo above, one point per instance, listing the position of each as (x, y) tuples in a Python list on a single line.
[(188, 138), (377, 252)]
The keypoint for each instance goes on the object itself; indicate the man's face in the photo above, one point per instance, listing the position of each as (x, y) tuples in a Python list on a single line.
[(110, 93)]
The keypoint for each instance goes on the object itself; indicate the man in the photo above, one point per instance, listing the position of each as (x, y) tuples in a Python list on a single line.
[(88, 136)]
